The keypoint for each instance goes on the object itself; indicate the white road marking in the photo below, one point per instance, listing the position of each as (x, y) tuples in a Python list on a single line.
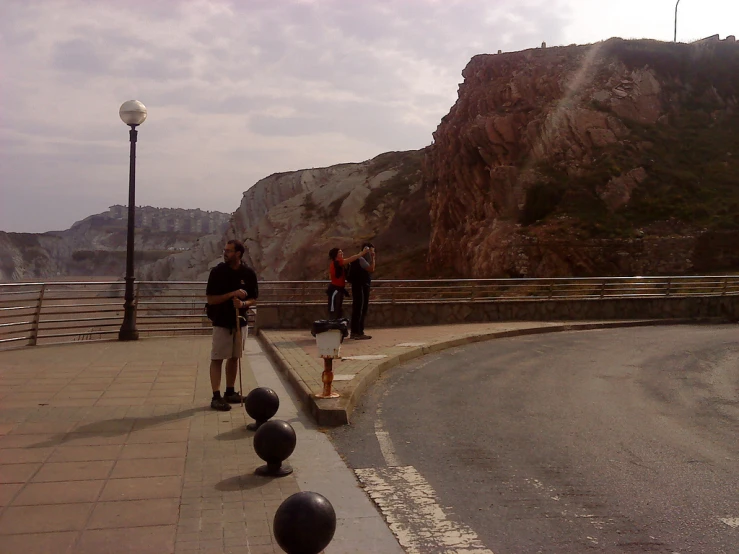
[(383, 439), (386, 447), (411, 344), (411, 509), (730, 521), (365, 357)]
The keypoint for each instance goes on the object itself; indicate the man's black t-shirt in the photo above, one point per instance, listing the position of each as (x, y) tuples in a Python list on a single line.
[(222, 280), (359, 275)]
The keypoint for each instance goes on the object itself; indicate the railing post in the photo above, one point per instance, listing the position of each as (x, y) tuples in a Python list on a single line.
[(603, 288), (134, 307), (36, 318), (473, 291), (551, 290), (669, 287), (302, 293), (392, 294), (723, 293)]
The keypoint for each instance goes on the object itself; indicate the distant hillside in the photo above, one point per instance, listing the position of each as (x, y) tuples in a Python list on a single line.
[(96, 245), (289, 222)]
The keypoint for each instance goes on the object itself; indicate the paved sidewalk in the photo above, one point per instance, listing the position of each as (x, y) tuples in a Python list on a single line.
[(110, 447), (296, 354)]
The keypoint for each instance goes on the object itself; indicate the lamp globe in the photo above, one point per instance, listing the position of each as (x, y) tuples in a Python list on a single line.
[(132, 112)]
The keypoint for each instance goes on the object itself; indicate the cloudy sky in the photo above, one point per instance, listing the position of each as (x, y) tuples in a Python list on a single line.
[(239, 89)]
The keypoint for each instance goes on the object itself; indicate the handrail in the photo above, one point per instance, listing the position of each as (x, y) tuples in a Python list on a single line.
[(38, 312)]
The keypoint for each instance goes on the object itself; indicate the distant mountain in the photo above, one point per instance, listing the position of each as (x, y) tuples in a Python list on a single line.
[(96, 246)]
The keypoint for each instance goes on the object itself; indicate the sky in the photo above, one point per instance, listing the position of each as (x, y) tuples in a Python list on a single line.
[(239, 89)]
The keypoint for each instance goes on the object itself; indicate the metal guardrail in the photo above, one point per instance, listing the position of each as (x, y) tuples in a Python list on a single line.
[(487, 290), (42, 313)]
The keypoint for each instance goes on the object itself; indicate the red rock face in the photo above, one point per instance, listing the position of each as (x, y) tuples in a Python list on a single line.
[(520, 119)]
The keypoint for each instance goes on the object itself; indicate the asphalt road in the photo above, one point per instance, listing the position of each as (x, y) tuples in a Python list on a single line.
[(623, 440)]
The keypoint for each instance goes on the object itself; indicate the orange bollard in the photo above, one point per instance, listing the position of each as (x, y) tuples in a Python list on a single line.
[(327, 377)]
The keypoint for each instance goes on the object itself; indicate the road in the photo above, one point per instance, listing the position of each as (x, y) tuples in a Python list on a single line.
[(622, 440)]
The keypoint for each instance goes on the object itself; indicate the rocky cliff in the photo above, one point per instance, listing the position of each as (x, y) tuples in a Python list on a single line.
[(289, 222), (617, 158), (96, 246)]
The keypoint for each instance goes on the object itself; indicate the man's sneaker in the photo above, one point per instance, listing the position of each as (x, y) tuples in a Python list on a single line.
[(361, 337), (220, 404), (233, 398)]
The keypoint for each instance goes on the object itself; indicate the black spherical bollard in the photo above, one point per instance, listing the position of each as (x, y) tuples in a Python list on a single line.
[(274, 442), (261, 404), (304, 523)]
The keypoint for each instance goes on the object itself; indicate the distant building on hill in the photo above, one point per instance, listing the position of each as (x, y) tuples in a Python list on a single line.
[(175, 220)]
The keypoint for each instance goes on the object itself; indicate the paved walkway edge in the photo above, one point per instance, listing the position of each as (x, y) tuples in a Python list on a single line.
[(336, 412)]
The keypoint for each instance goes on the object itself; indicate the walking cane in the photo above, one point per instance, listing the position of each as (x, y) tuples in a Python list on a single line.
[(238, 339)]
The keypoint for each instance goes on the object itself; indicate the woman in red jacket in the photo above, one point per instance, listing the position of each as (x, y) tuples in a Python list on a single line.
[(337, 289)]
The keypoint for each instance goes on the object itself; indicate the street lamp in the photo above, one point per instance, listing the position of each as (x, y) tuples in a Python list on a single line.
[(133, 114), (675, 37)]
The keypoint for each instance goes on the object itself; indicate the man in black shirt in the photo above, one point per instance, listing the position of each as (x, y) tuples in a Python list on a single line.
[(359, 272), (232, 286)]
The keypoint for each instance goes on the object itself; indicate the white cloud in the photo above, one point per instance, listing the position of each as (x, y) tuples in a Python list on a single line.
[(237, 90)]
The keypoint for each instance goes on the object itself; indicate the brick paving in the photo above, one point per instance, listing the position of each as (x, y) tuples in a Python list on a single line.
[(111, 447)]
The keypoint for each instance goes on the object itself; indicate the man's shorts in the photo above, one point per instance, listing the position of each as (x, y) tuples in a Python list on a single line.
[(225, 344)]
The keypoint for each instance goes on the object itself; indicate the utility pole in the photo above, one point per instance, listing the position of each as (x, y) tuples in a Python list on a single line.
[(675, 37)]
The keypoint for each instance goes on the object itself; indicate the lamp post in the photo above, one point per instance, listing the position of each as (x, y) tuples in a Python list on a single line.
[(133, 114), (675, 37)]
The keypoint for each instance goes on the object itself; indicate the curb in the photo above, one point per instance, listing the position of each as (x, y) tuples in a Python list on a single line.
[(336, 412), (326, 412)]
